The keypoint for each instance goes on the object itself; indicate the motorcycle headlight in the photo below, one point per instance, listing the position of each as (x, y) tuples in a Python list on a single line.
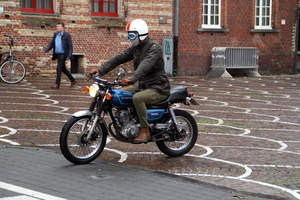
[(93, 90)]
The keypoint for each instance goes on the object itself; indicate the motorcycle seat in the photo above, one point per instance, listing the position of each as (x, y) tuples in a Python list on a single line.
[(177, 94), (161, 105)]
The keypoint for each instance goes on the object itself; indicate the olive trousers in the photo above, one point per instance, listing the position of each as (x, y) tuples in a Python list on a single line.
[(140, 99)]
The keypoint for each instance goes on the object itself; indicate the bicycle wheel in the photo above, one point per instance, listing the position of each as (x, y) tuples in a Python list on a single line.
[(12, 71)]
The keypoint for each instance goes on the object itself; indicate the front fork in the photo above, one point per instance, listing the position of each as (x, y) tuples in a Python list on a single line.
[(96, 116), (89, 136), (173, 116)]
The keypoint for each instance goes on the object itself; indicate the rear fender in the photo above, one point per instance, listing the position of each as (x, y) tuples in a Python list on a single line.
[(193, 101)]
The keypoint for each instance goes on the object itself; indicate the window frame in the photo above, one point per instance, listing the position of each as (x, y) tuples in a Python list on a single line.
[(209, 13), (34, 8), (101, 13), (260, 17)]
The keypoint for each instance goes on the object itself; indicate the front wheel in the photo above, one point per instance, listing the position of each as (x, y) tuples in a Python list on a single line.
[(74, 144), (12, 71), (178, 144)]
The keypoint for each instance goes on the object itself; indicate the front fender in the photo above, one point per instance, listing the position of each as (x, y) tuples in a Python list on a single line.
[(89, 113), (83, 113)]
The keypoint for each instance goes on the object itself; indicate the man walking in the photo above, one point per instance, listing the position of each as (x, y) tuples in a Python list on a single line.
[(62, 51)]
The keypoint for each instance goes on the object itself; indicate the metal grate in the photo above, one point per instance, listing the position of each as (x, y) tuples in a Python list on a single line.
[(235, 57)]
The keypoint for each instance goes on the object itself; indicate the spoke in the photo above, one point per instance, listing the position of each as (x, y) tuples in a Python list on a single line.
[(12, 72), (184, 126), (76, 138)]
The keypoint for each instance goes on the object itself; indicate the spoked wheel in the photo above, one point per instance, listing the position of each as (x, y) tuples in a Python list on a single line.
[(74, 144), (12, 71), (181, 143)]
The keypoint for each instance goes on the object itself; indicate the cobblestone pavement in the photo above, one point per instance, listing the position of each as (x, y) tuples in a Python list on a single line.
[(249, 137)]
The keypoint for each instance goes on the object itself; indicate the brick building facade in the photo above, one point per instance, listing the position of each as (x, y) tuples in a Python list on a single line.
[(269, 25), (237, 23), (97, 34)]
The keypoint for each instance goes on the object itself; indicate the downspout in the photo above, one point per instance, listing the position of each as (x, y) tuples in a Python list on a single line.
[(175, 49), (297, 41)]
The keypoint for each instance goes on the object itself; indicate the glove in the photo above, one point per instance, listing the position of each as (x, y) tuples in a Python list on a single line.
[(94, 71), (126, 82)]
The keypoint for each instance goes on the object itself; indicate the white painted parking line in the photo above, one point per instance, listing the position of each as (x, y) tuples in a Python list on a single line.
[(22, 197), (29, 193)]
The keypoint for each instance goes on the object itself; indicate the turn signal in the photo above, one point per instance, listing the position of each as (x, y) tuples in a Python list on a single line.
[(108, 96), (86, 89)]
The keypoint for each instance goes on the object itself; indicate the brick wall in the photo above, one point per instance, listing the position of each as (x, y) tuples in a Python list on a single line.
[(276, 48), (97, 39)]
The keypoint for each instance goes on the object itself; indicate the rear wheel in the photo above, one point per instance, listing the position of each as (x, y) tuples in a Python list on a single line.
[(181, 143), (74, 144), (12, 71)]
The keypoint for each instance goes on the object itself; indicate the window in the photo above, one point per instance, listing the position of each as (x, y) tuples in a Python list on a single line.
[(37, 6), (107, 8), (211, 14), (263, 14)]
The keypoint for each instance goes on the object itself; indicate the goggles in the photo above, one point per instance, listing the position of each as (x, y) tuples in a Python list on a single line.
[(132, 36)]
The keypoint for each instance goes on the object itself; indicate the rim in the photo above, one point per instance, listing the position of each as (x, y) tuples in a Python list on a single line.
[(182, 142), (76, 143), (12, 74)]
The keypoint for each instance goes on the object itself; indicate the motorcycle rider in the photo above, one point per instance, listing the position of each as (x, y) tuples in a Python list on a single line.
[(153, 84)]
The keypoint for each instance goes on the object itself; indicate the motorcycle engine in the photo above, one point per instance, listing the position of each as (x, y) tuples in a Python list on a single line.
[(129, 129)]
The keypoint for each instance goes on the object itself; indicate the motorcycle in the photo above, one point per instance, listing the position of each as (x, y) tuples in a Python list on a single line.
[(84, 135)]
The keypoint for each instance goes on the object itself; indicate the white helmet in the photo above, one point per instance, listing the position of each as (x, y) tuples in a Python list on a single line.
[(140, 26)]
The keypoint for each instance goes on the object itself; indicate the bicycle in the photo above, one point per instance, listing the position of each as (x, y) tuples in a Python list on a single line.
[(12, 71)]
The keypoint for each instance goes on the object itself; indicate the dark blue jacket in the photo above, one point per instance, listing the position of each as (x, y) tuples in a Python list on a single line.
[(66, 44)]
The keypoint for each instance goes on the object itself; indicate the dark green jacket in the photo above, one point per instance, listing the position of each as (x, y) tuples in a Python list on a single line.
[(149, 70)]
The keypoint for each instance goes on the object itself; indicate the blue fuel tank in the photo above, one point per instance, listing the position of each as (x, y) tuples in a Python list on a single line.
[(123, 99)]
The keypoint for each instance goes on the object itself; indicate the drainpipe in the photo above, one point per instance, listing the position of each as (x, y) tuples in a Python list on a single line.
[(297, 41), (175, 49)]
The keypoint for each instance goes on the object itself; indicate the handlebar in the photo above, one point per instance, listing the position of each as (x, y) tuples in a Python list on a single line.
[(97, 78), (8, 36), (94, 76), (11, 40)]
